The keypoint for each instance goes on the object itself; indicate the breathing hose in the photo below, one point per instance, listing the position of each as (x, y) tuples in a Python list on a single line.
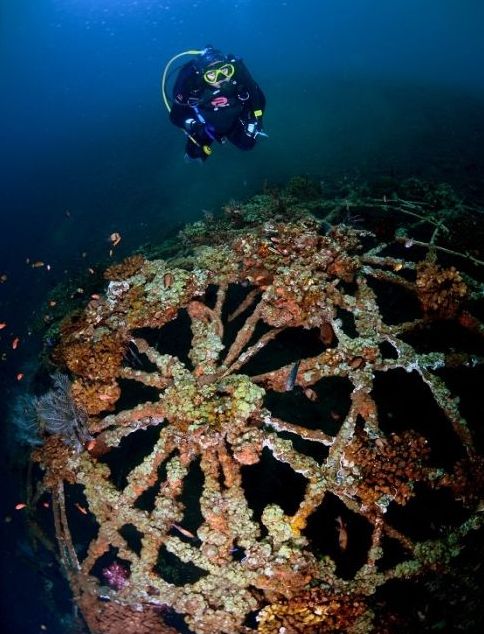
[(207, 150)]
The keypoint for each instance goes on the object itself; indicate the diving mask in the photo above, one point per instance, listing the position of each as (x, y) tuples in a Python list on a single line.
[(214, 75)]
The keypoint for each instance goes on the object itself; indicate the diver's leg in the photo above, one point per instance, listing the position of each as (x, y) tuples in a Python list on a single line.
[(194, 151)]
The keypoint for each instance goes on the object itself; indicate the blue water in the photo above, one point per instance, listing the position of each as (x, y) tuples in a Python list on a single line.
[(359, 87)]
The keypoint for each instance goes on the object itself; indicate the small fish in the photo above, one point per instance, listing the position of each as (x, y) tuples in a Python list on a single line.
[(342, 533), (3, 325), (167, 279), (80, 508), (184, 531), (134, 356), (20, 506), (356, 362), (38, 264), (15, 343), (95, 296), (310, 394), (20, 376), (115, 238), (291, 379), (380, 443)]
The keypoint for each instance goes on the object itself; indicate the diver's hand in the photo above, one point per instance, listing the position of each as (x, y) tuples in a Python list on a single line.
[(253, 128), (192, 126), (199, 130)]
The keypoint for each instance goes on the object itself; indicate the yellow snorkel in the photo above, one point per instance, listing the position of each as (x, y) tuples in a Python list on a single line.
[(207, 150)]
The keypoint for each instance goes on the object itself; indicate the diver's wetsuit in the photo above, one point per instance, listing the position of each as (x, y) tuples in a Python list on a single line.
[(220, 112)]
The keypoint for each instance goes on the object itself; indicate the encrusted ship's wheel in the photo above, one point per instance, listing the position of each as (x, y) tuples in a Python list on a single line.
[(261, 415)]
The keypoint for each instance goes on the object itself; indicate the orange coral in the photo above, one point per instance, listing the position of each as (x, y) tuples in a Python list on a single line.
[(344, 268), (124, 269), (313, 612), (387, 466), (440, 291), (97, 361), (467, 480), (95, 396), (53, 456)]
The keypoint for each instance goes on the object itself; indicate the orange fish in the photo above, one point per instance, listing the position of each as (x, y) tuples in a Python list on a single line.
[(115, 238), (80, 508), (15, 343), (20, 376), (20, 506), (3, 325), (38, 264), (310, 394), (342, 533), (95, 296)]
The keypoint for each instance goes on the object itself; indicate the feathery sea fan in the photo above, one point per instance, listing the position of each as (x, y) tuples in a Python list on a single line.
[(57, 413)]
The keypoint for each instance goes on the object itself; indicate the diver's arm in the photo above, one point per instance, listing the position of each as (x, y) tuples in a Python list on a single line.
[(179, 114), (184, 87), (256, 102)]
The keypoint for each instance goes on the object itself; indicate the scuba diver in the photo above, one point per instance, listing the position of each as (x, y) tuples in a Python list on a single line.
[(215, 99)]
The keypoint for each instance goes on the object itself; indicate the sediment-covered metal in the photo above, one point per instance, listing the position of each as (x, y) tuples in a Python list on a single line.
[(175, 509)]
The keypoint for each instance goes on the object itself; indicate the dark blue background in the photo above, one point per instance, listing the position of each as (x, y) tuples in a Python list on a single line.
[(359, 87)]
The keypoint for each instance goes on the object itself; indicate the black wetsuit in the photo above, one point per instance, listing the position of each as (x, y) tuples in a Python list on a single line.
[(220, 113)]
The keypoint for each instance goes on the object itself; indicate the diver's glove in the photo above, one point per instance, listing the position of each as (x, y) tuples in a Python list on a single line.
[(192, 126), (254, 127)]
